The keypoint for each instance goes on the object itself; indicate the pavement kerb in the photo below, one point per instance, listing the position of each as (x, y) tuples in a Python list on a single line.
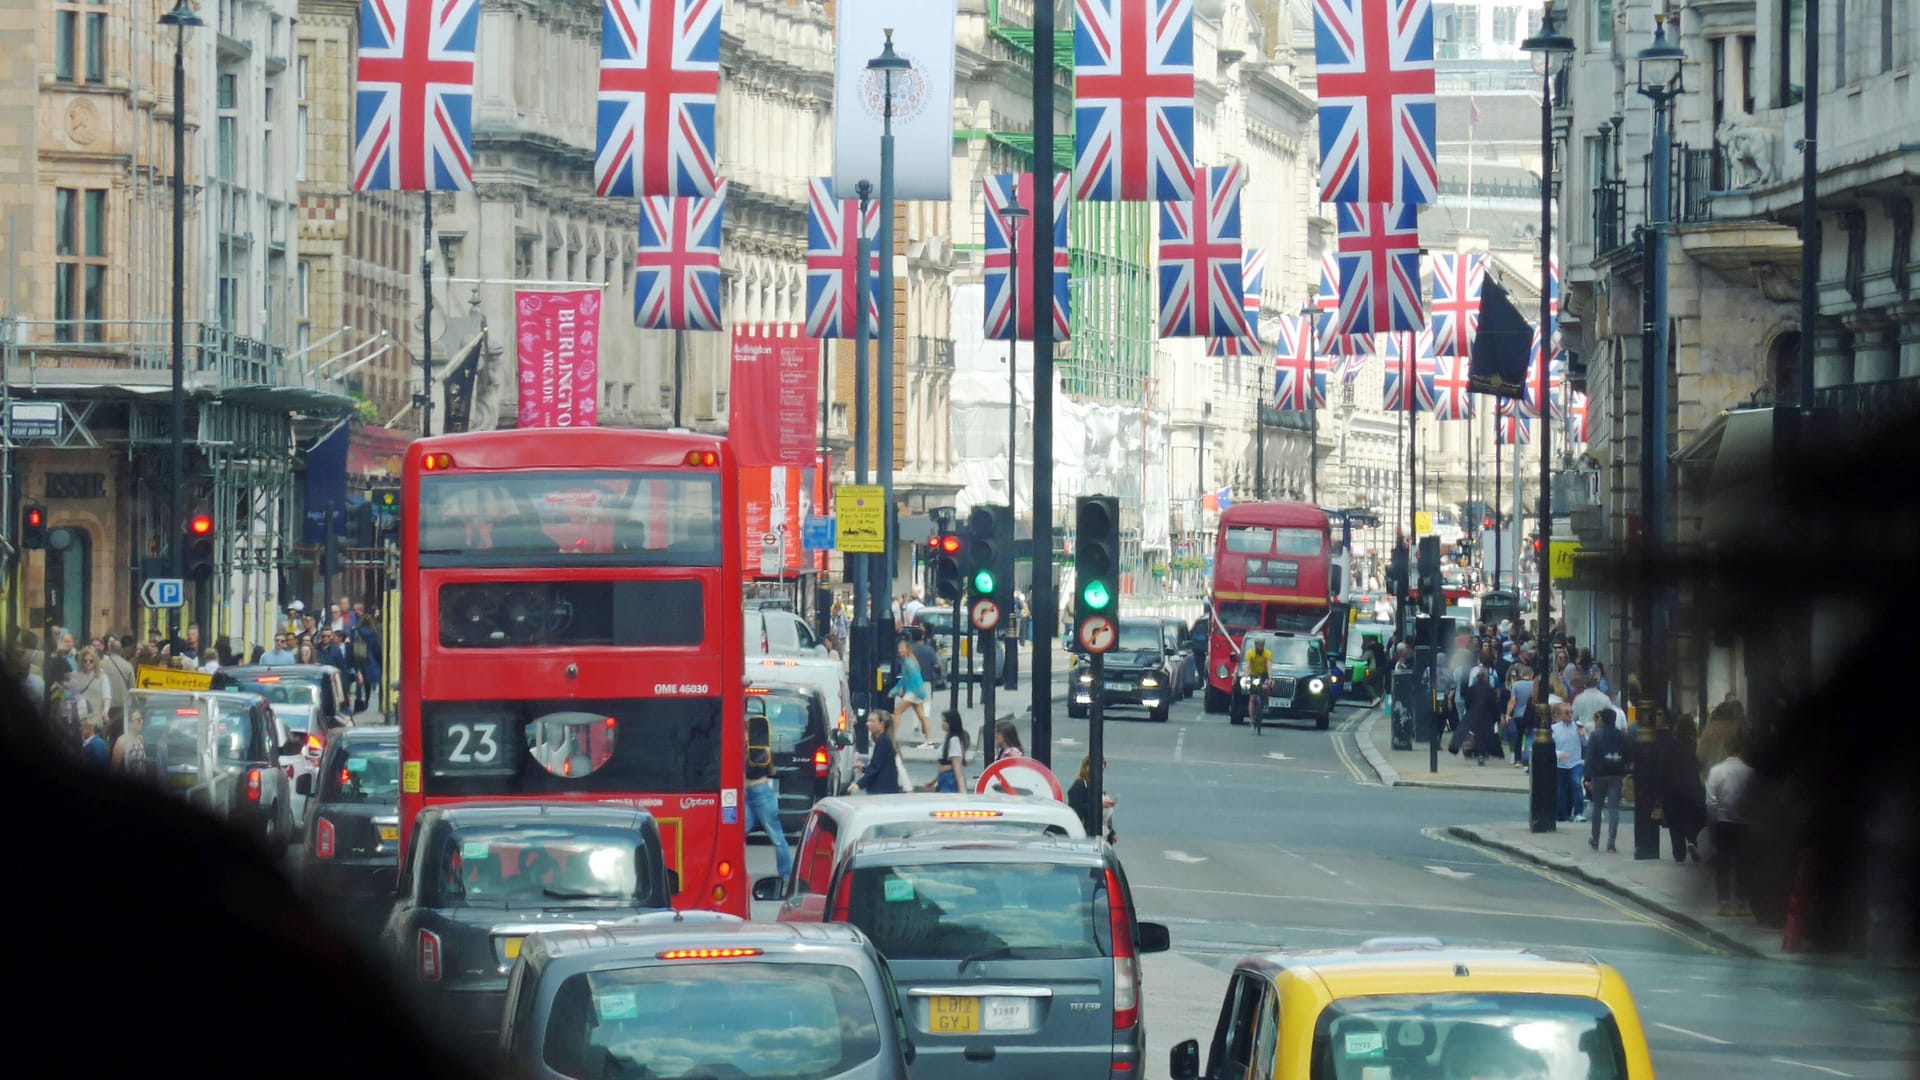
[(1390, 777), (1655, 902)]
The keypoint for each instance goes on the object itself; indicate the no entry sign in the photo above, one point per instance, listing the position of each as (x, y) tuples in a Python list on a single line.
[(1020, 776)]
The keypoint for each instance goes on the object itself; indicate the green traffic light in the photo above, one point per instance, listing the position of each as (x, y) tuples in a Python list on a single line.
[(983, 583), (1096, 595)]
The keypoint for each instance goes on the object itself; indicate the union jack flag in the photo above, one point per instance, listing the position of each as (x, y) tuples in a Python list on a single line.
[(1234, 346), (677, 284), (1577, 419), (1379, 268), (1455, 312), (1352, 363), (1002, 191), (1133, 100), (1296, 372), (1327, 302), (1375, 73), (833, 237), (1200, 288), (1253, 278), (1409, 354), (1515, 428), (659, 78), (413, 95), (1451, 401), (1555, 379)]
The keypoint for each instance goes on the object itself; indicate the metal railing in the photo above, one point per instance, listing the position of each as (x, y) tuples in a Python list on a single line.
[(1871, 404), (1697, 175), (70, 349), (1610, 232)]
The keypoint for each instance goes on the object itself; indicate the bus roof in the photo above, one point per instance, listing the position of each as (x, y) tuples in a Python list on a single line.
[(1274, 513), (565, 448)]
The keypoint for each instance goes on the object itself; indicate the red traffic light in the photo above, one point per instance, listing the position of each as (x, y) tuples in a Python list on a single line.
[(1488, 523), (36, 517), (200, 524), (950, 544)]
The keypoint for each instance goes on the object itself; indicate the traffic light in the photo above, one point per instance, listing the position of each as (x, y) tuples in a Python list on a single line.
[(359, 526), (990, 556), (386, 509), (947, 582), (198, 530), (1096, 562), (1397, 571), (1432, 589), (33, 527)]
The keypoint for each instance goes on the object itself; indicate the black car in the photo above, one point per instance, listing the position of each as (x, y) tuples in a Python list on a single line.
[(479, 878), (1015, 955), (717, 997), (351, 847), (1301, 680), (811, 761), (298, 694), (1137, 674), (219, 752)]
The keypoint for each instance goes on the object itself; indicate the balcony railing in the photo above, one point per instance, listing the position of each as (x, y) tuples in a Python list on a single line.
[(1610, 232), (1865, 406), (1697, 174)]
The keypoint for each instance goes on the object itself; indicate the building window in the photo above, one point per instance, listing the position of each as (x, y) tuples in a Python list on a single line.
[(1467, 24), (1793, 53), (1506, 23), (304, 293), (1603, 22), (80, 263), (1718, 47), (1840, 43), (1886, 35), (1749, 46), (228, 125), (300, 143)]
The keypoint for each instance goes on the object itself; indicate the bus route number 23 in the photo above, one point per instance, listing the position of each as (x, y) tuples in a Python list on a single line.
[(473, 743)]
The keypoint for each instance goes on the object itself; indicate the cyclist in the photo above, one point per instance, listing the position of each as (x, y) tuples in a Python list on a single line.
[(1259, 663)]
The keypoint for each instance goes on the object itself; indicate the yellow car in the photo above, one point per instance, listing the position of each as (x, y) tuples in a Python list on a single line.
[(1414, 1009)]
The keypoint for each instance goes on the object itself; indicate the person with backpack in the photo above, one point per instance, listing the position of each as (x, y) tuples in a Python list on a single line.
[(1608, 755), (763, 791), (952, 774)]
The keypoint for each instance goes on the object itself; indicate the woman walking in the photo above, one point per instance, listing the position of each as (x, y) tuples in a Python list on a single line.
[(1080, 799), (1683, 798), (882, 774), (1006, 741), (952, 774), (910, 693), (1520, 712)]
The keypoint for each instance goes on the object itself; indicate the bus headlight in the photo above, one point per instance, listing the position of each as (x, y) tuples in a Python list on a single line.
[(1220, 672), (1316, 686)]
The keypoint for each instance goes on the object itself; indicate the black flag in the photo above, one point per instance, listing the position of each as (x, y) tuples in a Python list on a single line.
[(460, 376), (1502, 345)]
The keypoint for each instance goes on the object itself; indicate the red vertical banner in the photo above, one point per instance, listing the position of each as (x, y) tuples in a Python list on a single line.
[(773, 401), (770, 501), (558, 334), (822, 501)]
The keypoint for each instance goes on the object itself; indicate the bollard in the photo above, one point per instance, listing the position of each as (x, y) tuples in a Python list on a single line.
[(1646, 783), (1543, 794)]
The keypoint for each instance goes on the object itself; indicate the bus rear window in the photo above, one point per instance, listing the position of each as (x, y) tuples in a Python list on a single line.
[(570, 518), (534, 748), (498, 615)]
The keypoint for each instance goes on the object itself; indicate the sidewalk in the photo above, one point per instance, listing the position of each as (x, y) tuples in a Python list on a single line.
[(1408, 768), (1682, 892)]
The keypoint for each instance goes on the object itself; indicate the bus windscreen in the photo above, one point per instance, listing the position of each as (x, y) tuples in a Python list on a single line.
[(570, 518)]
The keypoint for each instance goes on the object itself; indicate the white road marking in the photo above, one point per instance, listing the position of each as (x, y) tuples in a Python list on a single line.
[(1323, 870), (1064, 741), (1278, 756), (1183, 857), (1804, 1065), (1371, 904), (1180, 743), (1692, 1034), (1449, 872)]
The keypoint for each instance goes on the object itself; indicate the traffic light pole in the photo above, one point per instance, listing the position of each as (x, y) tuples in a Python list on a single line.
[(1097, 741), (959, 617), (986, 685)]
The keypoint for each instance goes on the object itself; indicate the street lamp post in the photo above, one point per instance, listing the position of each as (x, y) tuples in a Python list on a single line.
[(1259, 438), (1010, 219), (887, 63), (182, 18), (1549, 43), (865, 652), (1307, 312)]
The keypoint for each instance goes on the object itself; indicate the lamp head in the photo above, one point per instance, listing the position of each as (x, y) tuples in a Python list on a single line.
[(1550, 41), (888, 60), (182, 16), (1660, 63)]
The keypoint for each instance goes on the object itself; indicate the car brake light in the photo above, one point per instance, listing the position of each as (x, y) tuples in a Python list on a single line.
[(314, 742), (820, 762), (707, 954), (964, 815), (253, 785), (724, 869), (267, 680), (842, 910), (1126, 976), (323, 839), (427, 956)]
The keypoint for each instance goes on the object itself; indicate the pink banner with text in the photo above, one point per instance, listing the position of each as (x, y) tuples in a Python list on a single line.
[(559, 340), (774, 397)]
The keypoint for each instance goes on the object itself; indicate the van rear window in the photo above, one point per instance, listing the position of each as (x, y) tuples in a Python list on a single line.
[(982, 910)]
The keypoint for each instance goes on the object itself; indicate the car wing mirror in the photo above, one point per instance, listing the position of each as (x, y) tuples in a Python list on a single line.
[(1151, 937), (766, 888), (1183, 1061), (840, 739), (303, 784), (673, 883)]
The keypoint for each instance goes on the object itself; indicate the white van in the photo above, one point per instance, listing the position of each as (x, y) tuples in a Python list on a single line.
[(820, 673), (774, 632)]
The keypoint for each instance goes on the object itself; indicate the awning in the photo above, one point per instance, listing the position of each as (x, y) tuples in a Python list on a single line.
[(1738, 446), (376, 451)]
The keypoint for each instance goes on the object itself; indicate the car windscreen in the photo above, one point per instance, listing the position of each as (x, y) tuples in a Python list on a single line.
[(1003, 910), (735, 1019), (1499, 1036), (364, 772), (539, 865), (1289, 652), (508, 748), (936, 622), (1139, 636)]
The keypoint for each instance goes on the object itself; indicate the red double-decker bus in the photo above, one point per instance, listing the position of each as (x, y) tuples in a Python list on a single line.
[(1273, 569), (571, 631)]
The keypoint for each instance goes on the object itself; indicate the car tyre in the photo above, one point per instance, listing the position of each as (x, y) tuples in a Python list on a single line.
[(1237, 711), (1322, 721), (1077, 712), (1216, 702), (1159, 715)]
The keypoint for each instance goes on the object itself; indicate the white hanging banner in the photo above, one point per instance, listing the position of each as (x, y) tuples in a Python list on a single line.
[(922, 97)]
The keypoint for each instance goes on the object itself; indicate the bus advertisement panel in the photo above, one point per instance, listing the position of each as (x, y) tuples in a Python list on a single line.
[(570, 631), (1272, 570)]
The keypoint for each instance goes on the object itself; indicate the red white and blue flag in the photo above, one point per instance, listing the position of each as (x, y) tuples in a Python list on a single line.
[(1234, 346), (413, 95), (677, 284), (1555, 377), (1299, 383), (1253, 278), (833, 274), (1006, 190), (1374, 68), (1515, 428), (1379, 268), (1577, 419), (1454, 313), (1326, 302), (1133, 100), (659, 79), (1201, 293), (1451, 401), (1408, 386)]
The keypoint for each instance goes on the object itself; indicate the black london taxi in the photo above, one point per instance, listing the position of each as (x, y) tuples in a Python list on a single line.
[(479, 878), (811, 760), (715, 999), (1136, 675), (220, 753), (1301, 680), (350, 852)]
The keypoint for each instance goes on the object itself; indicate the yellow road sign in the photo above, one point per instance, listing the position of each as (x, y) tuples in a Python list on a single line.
[(1561, 552), (1423, 523), (161, 678), (863, 519)]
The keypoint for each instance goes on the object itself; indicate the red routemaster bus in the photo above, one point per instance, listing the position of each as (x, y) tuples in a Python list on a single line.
[(570, 631), (1273, 569)]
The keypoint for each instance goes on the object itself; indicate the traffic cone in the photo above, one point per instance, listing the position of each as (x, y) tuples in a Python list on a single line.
[(1793, 937)]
